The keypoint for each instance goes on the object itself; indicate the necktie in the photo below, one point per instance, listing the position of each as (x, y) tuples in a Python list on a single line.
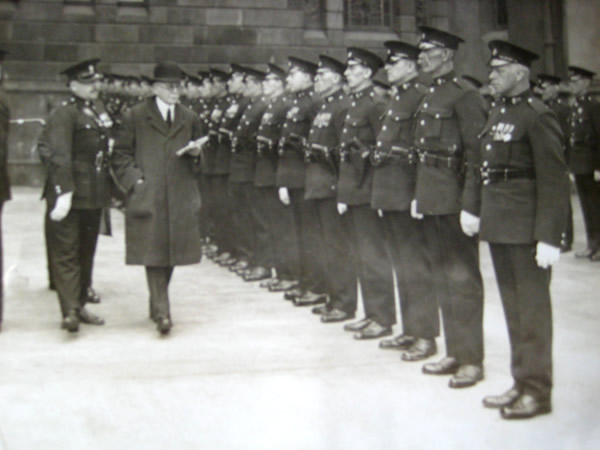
[(169, 119)]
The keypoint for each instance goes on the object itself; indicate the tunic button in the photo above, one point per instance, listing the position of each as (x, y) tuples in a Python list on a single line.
[(502, 111), (488, 147), (422, 140), (422, 122), (485, 163), (384, 127), (353, 103), (425, 105)]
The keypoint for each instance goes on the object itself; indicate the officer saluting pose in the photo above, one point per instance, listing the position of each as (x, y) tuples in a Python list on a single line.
[(446, 136), (524, 197), (74, 145)]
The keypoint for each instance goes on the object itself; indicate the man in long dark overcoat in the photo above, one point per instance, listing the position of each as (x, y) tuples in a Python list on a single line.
[(163, 201)]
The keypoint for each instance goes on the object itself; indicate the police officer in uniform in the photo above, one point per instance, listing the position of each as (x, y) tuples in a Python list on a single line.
[(301, 237), (216, 182), (269, 209), (321, 188), (361, 125), (583, 147), (524, 195), (448, 122), (241, 175), (75, 146), (393, 190), (229, 121), (4, 182)]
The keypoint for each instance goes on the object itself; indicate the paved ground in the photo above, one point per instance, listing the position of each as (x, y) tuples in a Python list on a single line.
[(243, 369)]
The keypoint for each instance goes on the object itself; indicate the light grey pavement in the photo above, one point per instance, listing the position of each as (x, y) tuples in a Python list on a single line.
[(243, 369)]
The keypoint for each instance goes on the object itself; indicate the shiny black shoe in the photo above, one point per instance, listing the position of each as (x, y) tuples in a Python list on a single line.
[(91, 296), (88, 318), (164, 325), (595, 257), (336, 315), (292, 293), (467, 375), (502, 400), (257, 274), (526, 407), (357, 326), (400, 342), (420, 350), (283, 285), (373, 331), (321, 309), (70, 322), (309, 299), (446, 366), (268, 283)]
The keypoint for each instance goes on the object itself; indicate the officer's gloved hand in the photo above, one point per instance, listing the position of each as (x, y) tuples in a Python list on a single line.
[(469, 223), (597, 176), (342, 208), (62, 207), (546, 254), (414, 212), (284, 196)]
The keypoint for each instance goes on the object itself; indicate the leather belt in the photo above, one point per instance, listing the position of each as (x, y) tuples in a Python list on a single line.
[(491, 175), (449, 162)]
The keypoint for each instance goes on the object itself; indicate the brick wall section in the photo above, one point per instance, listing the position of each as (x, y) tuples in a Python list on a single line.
[(45, 36)]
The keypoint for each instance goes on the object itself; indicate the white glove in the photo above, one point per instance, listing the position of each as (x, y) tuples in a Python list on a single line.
[(61, 207), (414, 212), (597, 176), (469, 223), (284, 196), (342, 208), (546, 254)]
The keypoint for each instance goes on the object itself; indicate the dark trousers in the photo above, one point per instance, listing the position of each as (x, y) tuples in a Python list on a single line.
[(589, 196), (207, 225), (158, 279), (310, 246), (339, 255), (1, 268), (374, 268), (224, 233), (71, 248), (459, 288), (243, 225), (284, 231), (525, 292), (418, 305), (264, 210)]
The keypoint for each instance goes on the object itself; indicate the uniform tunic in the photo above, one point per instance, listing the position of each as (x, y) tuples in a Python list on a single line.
[(321, 188), (393, 189), (74, 147), (361, 125), (524, 195), (449, 120), (583, 144), (4, 181)]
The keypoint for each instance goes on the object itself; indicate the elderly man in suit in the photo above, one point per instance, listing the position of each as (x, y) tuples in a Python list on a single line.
[(156, 159)]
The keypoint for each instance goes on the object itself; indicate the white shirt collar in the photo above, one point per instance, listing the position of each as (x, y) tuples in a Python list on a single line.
[(164, 108)]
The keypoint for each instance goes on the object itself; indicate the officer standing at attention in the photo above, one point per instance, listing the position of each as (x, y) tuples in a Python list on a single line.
[(269, 210), (301, 238), (361, 125), (74, 144), (449, 120), (524, 197), (393, 190), (4, 182), (321, 188), (583, 147)]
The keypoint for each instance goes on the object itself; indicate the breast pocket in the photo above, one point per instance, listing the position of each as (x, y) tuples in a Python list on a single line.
[(397, 123), (361, 129)]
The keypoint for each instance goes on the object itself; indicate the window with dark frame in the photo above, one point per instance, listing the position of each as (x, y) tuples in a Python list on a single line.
[(361, 14)]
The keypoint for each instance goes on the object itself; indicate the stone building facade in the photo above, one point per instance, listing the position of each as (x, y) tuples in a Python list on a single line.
[(130, 36)]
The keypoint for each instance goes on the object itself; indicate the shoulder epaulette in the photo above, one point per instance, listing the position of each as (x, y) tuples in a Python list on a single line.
[(421, 88), (537, 105)]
